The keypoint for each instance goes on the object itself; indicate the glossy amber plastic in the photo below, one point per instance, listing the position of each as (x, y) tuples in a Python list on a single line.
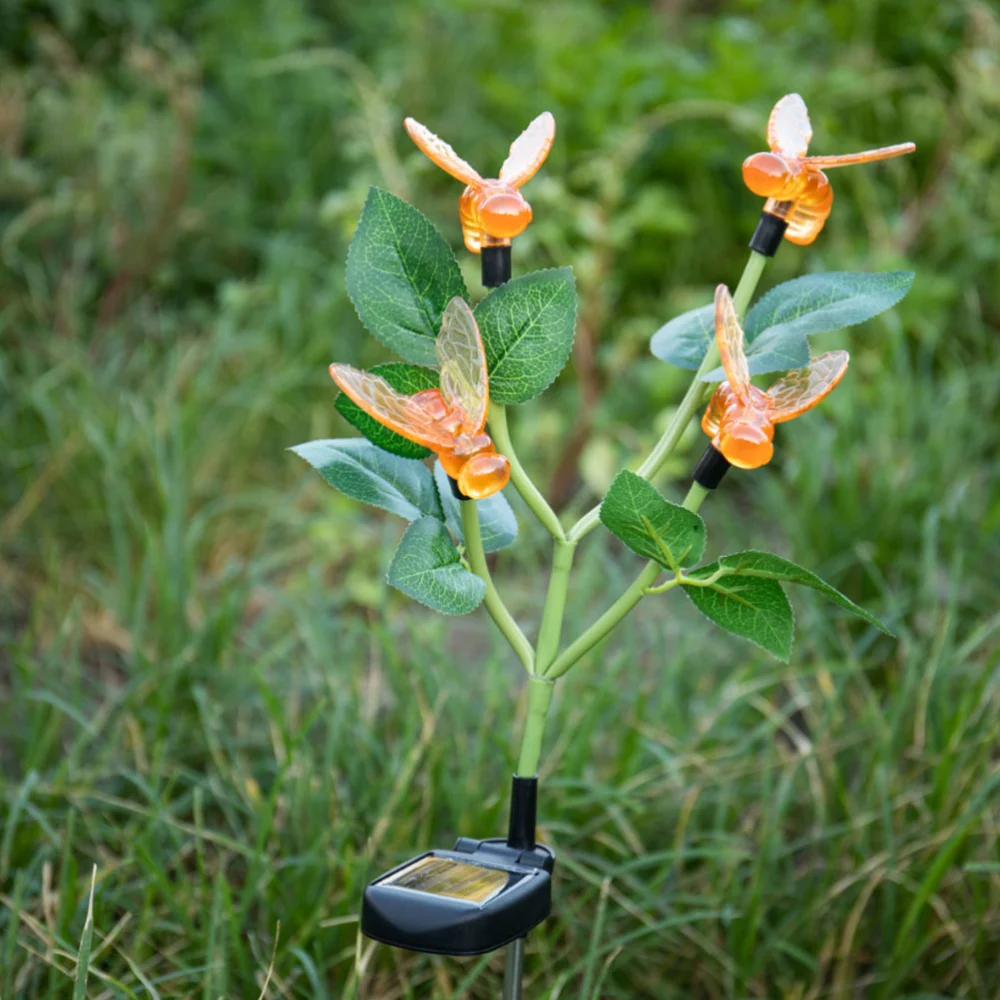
[(492, 211), (740, 418), (794, 184), (450, 420)]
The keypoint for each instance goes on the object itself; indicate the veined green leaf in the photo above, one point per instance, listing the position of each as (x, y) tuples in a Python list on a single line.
[(363, 471), (401, 274), (407, 379), (819, 303), (684, 340), (527, 327), (650, 525), (765, 565), (426, 566), (779, 323), (750, 607), (497, 524)]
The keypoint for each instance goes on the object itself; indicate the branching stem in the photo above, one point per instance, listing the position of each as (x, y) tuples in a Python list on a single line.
[(693, 399), (635, 592), (522, 481), (494, 605)]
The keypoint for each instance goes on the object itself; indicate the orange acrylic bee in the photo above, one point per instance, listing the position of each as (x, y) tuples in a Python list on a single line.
[(492, 212), (740, 417), (449, 420), (794, 184)]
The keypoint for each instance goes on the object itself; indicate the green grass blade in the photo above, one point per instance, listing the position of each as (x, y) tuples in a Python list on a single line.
[(83, 955)]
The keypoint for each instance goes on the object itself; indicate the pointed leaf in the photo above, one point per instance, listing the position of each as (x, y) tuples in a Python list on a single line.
[(407, 379), (400, 276), (777, 325), (86, 940), (750, 607), (685, 339), (527, 327), (365, 472), (426, 566), (819, 303), (650, 525), (497, 523), (765, 565)]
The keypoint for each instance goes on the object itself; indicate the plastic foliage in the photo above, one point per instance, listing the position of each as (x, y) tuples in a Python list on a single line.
[(462, 368)]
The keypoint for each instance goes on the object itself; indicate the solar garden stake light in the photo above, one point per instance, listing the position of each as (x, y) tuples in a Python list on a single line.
[(448, 398)]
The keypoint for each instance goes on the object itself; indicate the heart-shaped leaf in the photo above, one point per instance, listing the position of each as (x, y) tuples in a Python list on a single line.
[(407, 379), (765, 565), (650, 525), (497, 524), (400, 276), (363, 471), (750, 607), (426, 566), (527, 327)]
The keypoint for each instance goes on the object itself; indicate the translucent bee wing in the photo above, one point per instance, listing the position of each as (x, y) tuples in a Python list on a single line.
[(788, 130), (403, 414), (868, 156), (528, 150), (729, 337), (459, 349), (441, 153), (803, 388), (711, 421)]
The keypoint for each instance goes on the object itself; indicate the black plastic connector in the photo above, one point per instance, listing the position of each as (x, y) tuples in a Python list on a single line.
[(496, 265), (523, 813), (768, 235), (711, 467)]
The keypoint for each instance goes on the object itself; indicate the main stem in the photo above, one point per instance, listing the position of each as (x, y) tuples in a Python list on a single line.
[(539, 698), (693, 398), (550, 630)]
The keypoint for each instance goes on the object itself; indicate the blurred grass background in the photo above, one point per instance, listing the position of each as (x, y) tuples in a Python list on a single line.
[(206, 688)]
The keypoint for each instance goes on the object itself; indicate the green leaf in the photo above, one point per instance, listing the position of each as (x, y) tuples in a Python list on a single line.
[(497, 523), (819, 303), (86, 940), (363, 471), (407, 379), (634, 511), (685, 339), (527, 327), (764, 565), (750, 607), (779, 323), (400, 276), (426, 566)]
